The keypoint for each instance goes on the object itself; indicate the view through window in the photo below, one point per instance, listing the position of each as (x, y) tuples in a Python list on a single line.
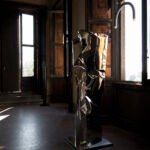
[(132, 43), (148, 39), (27, 44)]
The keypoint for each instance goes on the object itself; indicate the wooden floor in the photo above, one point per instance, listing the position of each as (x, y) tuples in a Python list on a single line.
[(35, 127)]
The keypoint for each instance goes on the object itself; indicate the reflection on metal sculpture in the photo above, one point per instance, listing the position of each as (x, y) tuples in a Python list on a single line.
[(89, 70), (119, 10)]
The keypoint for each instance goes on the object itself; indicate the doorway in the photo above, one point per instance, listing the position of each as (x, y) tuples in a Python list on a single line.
[(20, 64), (27, 51)]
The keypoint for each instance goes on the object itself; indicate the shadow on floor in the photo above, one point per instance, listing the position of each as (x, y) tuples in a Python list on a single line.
[(34, 127)]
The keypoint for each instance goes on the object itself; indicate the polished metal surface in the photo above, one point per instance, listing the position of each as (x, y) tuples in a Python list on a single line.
[(89, 71)]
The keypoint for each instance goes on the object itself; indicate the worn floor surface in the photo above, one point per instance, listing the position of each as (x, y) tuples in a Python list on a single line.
[(34, 127)]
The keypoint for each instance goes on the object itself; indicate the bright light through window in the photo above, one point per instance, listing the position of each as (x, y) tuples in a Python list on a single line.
[(9, 108), (3, 117), (132, 43), (148, 39), (27, 29), (28, 61), (27, 45)]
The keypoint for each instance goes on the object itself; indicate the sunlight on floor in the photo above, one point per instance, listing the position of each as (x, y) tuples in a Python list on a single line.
[(6, 110), (3, 117)]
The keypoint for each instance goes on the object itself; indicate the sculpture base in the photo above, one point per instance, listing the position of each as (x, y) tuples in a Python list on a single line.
[(95, 145)]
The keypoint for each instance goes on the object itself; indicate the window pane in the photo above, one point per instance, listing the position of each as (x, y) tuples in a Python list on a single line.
[(132, 43), (148, 39), (27, 29), (27, 61)]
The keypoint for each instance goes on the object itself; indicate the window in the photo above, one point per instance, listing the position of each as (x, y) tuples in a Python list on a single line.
[(131, 42), (148, 39), (135, 42), (27, 44)]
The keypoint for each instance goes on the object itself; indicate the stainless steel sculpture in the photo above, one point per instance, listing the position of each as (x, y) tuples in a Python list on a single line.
[(89, 71)]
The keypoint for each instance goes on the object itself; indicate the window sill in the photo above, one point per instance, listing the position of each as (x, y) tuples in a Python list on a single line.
[(128, 85)]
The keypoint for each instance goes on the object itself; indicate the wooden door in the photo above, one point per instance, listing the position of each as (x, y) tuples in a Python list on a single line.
[(10, 75)]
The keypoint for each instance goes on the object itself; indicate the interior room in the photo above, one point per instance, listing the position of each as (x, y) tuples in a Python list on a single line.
[(53, 56)]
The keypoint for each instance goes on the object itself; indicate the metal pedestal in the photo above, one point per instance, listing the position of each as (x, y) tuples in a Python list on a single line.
[(98, 144)]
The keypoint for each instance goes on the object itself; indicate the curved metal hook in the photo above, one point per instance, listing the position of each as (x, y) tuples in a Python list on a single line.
[(119, 10)]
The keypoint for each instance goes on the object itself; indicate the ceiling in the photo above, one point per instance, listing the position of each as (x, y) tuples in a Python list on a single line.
[(52, 4)]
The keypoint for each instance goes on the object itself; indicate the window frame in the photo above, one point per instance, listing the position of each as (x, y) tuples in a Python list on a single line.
[(26, 45), (144, 80), (123, 47)]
